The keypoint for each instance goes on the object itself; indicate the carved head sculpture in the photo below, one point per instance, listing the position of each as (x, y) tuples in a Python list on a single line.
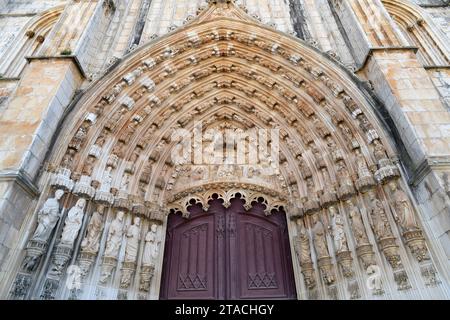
[(154, 228), (81, 203), (120, 215), (372, 195), (393, 186), (137, 221), (333, 211), (100, 208), (59, 194)]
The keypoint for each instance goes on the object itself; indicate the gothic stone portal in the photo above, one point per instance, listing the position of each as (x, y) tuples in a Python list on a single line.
[(227, 253)]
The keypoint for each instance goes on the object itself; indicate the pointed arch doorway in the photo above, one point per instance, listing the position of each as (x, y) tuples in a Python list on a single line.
[(227, 253)]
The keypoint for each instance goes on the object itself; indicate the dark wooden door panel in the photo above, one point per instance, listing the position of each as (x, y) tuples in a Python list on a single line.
[(227, 254)]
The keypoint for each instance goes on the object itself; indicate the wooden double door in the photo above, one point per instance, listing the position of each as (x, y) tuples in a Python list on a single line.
[(227, 253)]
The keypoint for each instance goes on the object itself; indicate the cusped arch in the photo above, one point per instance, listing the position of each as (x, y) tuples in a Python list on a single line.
[(226, 69)]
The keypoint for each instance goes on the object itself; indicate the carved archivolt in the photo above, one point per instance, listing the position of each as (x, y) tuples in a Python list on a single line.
[(219, 74)]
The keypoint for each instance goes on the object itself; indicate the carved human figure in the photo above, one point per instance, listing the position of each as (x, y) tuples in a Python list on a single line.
[(106, 180), (378, 218), (302, 243), (379, 151), (47, 218), (363, 170), (403, 213), (337, 223), (132, 245), (151, 249), (115, 234), (344, 176), (359, 232), (73, 222), (92, 240), (319, 237)]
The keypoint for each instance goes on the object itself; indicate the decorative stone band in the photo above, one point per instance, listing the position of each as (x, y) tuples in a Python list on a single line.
[(122, 201), (83, 187), (250, 193), (311, 206), (387, 171), (328, 198), (365, 184), (61, 180)]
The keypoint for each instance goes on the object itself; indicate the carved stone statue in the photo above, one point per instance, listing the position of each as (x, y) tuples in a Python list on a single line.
[(359, 232), (106, 180), (132, 246), (73, 223), (339, 238), (151, 249), (319, 237), (92, 240), (403, 213), (302, 243), (115, 234), (47, 218), (378, 218)]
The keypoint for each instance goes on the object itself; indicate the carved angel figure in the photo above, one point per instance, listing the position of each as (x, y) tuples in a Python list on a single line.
[(403, 213), (115, 234), (47, 218), (73, 223)]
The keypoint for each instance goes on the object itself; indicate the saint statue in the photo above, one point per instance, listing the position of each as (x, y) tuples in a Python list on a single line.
[(359, 232), (302, 243), (92, 240), (151, 249), (115, 234), (106, 180), (73, 223), (319, 237), (339, 238), (47, 218), (404, 213), (132, 246), (378, 218)]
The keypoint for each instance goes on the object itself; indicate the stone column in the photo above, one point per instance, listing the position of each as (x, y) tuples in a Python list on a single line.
[(412, 101)]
